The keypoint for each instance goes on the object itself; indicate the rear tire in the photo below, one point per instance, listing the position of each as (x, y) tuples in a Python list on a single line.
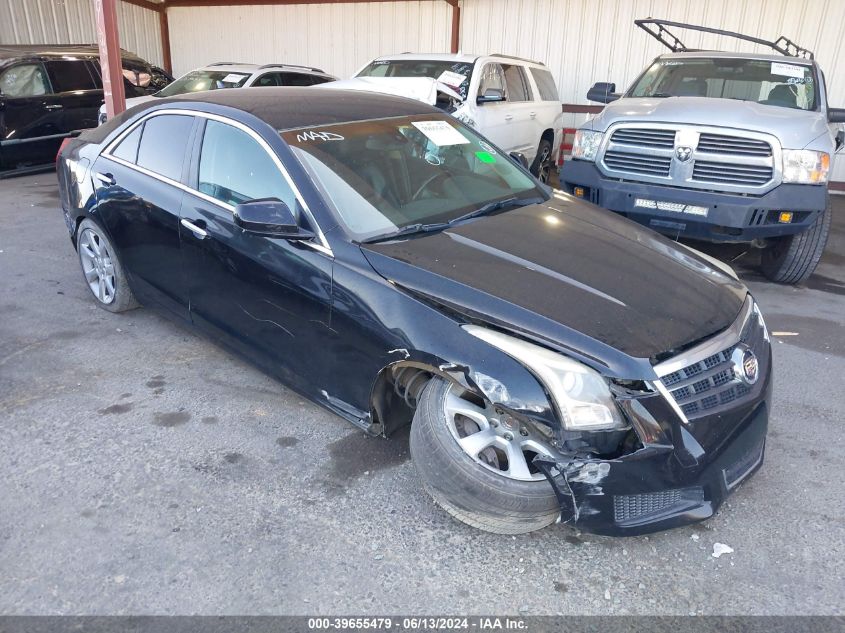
[(468, 491), (792, 259), (541, 166), (101, 268)]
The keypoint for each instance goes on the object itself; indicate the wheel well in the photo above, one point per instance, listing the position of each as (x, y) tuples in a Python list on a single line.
[(548, 135), (395, 392), (76, 224)]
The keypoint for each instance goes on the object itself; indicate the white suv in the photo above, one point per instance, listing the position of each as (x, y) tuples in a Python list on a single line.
[(514, 102), (230, 75)]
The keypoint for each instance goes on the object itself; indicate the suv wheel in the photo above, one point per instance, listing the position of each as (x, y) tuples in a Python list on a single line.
[(542, 162), (477, 465), (792, 259)]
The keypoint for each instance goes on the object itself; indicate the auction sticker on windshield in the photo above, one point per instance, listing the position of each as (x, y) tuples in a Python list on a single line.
[(787, 70), (440, 133), (451, 79)]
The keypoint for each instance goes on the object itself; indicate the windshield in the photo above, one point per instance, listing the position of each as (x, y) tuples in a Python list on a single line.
[(198, 80), (782, 84), (454, 74), (387, 174)]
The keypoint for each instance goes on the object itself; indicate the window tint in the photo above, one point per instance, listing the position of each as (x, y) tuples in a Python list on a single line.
[(68, 75), (296, 79), (518, 89), (234, 168), (492, 77), (317, 79), (545, 84), (127, 149), (163, 144), (23, 80), (267, 79)]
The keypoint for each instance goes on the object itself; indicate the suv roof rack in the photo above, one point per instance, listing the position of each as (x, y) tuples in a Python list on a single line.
[(521, 59), (229, 64), (311, 68), (782, 45)]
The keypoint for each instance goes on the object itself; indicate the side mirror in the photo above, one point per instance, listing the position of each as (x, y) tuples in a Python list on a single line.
[(271, 218), (519, 159), (491, 95), (836, 115), (840, 140), (603, 92)]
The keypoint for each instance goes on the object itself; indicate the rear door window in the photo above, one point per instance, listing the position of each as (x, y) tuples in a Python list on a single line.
[(68, 75), (24, 80), (127, 149), (518, 89), (296, 79), (545, 84), (235, 168), (267, 79), (163, 144)]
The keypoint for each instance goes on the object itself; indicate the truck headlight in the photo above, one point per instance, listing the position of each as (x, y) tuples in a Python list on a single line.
[(805, 166), (586, 144), (580, 394)]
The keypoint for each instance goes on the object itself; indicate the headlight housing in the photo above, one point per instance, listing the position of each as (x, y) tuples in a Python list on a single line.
[(586, 144), (580, 393), (805, 166)]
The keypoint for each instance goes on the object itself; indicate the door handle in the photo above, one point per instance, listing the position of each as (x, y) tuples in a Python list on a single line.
[(53, 106), (198, 232), (532, 114), (106, 179), (508, 117)]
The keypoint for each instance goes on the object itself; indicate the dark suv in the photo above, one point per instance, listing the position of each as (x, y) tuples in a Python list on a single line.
[(47, 92)]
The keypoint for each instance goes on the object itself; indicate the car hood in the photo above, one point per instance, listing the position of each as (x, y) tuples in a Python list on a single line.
[(579, 277), (423, 89), (794, 128)]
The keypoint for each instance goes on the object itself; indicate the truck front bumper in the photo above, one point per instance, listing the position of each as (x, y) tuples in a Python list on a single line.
[(677, 211)]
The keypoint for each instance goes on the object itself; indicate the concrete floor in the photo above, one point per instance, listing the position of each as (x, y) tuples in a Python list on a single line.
[(147, 471)]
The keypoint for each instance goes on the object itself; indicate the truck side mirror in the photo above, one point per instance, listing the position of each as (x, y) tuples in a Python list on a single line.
[(836, 115), (603, 92), (491, 95)]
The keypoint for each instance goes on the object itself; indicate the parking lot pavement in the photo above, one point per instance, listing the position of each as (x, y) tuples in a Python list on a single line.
[(145, 470)]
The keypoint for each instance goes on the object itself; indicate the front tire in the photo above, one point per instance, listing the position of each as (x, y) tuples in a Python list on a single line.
[(101, 268), (477, 491), (792, 259), (541, 167)]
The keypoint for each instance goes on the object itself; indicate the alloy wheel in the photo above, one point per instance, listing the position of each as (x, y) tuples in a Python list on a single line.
[(97, 265)]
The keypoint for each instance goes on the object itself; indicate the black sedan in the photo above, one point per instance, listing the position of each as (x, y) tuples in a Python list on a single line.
[(555, 361)]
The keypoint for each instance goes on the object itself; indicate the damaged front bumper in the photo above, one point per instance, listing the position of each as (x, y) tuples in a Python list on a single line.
[(656, 487)]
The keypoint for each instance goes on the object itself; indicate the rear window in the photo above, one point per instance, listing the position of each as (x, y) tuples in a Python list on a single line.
[(163, 144), (70, 75), (545, 84)]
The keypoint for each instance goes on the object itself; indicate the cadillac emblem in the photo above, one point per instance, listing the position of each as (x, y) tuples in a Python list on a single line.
[(745, 365)]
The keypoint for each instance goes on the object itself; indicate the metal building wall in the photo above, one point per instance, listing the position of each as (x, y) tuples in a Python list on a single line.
[(337, 37), (584, 41), (72, 22)]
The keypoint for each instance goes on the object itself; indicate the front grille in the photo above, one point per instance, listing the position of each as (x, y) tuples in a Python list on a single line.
[(628, 508), (723, 144), (638, 163), (644, 137), (726, 173), (708, 385)]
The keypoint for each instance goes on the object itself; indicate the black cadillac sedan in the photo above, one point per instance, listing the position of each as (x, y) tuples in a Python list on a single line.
[(554, 361)]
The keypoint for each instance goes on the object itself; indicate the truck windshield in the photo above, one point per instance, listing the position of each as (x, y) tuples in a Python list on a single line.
[(784, 84), (385, 175), (454, 74)]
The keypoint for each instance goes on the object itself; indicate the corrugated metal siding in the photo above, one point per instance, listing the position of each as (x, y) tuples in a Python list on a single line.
[(339, 38), (584, 41), (72, 22)]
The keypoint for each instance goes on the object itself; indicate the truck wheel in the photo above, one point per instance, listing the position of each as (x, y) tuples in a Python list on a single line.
[(471, 469), (792, 259), (541, 165)]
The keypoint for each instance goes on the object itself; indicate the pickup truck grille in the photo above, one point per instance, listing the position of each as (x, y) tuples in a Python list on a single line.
[(638, 163), (707, 171), (694, 157)]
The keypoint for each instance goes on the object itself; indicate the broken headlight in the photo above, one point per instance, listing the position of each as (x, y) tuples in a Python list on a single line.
[(586, 144), (805, 166), (581, 394)]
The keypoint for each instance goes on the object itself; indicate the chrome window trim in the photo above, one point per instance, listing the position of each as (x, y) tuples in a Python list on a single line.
[(681, 176), (322, 246), (716, 344)]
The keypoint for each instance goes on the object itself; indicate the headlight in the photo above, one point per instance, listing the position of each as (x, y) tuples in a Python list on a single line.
[(580, 394), (586, 144), (805, 166)]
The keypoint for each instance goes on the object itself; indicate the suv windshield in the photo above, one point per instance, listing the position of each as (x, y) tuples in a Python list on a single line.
[(388, 174), (783, 84), (456, 75), (198, 80)]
